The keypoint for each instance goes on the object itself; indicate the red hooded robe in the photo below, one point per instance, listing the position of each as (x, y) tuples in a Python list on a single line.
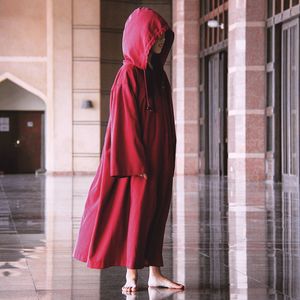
[(124, 217)]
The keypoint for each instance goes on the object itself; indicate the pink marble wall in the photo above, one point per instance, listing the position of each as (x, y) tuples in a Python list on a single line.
[(246, 90), (185, 83)]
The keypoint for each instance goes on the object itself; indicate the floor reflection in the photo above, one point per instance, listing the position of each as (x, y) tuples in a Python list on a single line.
[(283, 251), (224, 240)]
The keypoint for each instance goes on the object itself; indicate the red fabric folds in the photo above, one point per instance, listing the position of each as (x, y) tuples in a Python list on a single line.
[(124, 216), (127, 149)]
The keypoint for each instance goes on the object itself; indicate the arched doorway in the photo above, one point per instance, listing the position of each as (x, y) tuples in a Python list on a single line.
[(22, 119)]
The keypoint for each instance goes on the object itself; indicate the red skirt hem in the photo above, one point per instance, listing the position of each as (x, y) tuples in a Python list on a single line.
[(99, 265)]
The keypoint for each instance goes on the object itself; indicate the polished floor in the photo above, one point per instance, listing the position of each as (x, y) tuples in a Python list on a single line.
[(224, 240)]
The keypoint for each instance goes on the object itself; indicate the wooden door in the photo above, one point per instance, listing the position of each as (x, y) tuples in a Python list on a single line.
[(290, 102), (217, 114), (20, 141)]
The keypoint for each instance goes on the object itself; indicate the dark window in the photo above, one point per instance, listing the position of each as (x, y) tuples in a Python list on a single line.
[(202, 36), (202, 138), (210, 37), (202, 105), (270, 8), (202, 8), (226, 24), (269, 89), (270, 44), (277, 6), (221, 32), (269, 134), (215, 35), (294, 100), (285, 112), (207, 6), (286, 4)]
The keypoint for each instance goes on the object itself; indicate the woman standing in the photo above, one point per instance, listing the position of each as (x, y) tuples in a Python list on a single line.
[(127, 207)]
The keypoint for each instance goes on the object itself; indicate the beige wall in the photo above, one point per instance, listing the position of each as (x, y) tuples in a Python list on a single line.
[(14, 97), (86, 84), (23, 24), (50, 51), (23, 41)]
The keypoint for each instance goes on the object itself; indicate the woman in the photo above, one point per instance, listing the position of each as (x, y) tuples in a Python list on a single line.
[(126, 210)]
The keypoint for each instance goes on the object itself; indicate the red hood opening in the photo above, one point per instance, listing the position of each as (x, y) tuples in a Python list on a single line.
[(142, 29)]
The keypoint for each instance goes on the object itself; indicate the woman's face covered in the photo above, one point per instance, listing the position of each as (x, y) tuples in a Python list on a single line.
[(145, 31), (159, 44)]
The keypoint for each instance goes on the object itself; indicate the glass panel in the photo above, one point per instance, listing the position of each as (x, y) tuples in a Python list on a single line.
[(269, 134), (202, 8), (293, 102), (270, 44), (210, 37), (206, 36), (201, 73), (221, 31), (226, 24), (208, 6), (286, 4), (202, 138), (270, 8), (284, 103), (295, 2), (269, 88), (202, 36), (215, 40), (202, 110), (277, 6)]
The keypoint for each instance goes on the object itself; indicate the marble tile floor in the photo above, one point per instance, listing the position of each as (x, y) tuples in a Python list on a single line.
[(224, 240)]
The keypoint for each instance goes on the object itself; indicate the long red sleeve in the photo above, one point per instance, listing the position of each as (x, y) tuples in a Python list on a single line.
[(127, 149)]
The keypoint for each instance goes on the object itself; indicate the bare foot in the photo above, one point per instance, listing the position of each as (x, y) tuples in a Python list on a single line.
[(156, 279), (131, 281)]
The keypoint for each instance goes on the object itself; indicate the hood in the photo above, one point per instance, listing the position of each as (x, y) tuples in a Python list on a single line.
[(142, 29)]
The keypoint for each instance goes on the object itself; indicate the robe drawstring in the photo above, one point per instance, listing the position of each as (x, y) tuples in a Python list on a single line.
[(149, 105)]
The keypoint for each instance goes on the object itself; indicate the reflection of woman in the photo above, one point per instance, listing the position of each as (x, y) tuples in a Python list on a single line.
[(128, 202)]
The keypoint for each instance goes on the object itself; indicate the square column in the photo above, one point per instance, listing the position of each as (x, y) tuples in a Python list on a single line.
[(59, 87), (185, 84), (246, 90)]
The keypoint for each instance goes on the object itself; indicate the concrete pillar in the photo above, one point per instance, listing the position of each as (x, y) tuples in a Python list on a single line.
[(185, 84), (59, 109), (86, 85), (246, 90)]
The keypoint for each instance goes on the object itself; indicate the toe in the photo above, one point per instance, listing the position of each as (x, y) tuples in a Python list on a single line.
[(178, 286), (133, 289)]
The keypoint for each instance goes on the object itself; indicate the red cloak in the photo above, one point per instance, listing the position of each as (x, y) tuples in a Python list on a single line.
[(124, 217)]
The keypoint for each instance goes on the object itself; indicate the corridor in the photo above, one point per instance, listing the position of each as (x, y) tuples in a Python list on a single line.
[(224, 240)]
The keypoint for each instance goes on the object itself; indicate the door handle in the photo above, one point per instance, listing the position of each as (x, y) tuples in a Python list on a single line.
[(17, 143)]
